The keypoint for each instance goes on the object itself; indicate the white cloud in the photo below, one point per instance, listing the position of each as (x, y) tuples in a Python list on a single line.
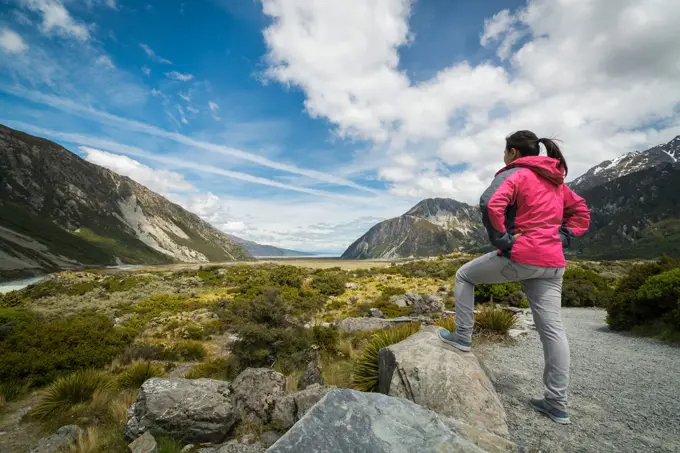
[(90, 113), (152, 55), (57, 19), (192, 109), (600, 75), (215, 109), (184, 96), (146, 70), (161, 181), (11, 42), (182, 116), (174, 75), (106, 62)]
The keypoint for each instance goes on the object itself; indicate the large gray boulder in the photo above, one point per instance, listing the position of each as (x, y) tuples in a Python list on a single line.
[(351, 421), (60, 441), (293, 406), (256, 391), (409, 299), (441, 378), (429, 303), (360, 324), (193, 410), (235, 446)]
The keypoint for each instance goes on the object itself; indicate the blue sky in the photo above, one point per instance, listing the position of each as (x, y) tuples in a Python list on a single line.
[(303, 123)]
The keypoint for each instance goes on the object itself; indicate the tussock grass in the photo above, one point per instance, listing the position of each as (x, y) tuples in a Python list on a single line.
[(68, 392), (13, 389), (447, 323), (221, 368), (168, 445), (88, 441), (137, 373), (365, 370), (494, 321)]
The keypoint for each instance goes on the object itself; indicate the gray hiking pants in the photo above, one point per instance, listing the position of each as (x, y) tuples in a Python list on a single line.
[(543, 288)]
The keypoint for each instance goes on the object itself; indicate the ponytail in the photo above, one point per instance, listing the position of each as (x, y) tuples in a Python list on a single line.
[(554, 151)]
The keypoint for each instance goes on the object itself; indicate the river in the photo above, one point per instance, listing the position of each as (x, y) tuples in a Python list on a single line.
[(14, 285)]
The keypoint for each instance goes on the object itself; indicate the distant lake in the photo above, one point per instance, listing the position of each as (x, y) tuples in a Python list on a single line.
[(14, 285)]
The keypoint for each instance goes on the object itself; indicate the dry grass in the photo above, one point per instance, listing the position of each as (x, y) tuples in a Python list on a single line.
[(88, 441), (447, 323), (337, 372), (293, 380), (119, 405)]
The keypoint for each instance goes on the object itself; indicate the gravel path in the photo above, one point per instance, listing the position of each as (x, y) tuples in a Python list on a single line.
[(624, 392)]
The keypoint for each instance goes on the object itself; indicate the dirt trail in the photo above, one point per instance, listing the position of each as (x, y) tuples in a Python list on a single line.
[(624, 392)]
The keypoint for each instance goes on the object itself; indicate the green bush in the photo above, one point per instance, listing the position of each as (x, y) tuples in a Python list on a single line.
[(365, 368), (222, 368), (42, 350), (11, 299), (584, 288), (137, 373), (169, 445), (292, 276), (147, 351), (492, 320), (69, 391), (189, 350), (502, 293), (329, 282)]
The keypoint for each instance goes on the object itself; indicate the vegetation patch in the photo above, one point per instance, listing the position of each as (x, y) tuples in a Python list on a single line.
[(490, 320)]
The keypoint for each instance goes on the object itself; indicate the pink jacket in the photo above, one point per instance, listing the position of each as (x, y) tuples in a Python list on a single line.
[(529, 197)]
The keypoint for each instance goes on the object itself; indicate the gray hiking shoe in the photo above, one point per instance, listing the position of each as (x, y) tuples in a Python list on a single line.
[(556, 415), (451, 338)]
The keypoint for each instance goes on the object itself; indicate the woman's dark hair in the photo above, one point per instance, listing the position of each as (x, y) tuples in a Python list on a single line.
[(527, 144)]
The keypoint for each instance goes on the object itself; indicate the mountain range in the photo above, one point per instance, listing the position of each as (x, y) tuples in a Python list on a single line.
[(58, 211), (633, 199)]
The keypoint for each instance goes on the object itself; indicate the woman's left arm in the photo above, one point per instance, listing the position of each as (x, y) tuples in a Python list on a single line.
[(494, 203)]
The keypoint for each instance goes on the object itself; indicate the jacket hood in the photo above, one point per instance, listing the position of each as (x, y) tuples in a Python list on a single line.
[(547, 167)]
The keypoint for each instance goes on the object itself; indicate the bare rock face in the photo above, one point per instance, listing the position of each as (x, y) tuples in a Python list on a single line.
[(144, 444), (61, 440), (424, 370), (255, 391), (193, 410), (293, 406), (357, 324), (357, 422), (411, 298), (312, 375)]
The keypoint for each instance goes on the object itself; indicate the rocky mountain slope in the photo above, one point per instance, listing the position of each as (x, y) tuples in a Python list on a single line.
[(263, 250), (627, 164), (432, 227), (633, 198), (57, 210)]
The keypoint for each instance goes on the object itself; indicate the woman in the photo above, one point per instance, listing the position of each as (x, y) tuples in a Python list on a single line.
[(530, 215)]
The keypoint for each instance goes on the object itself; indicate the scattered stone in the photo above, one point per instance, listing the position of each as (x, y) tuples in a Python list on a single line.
[(407, 300), (512, 309), (62, 440), (357, 324), (292, 406), (234, 446), (312, 375), (325, 324), (514, 333), (144, 444), (375, 313), (425, 370), (255, 391), (351, 421), (429, 303), (188, 448), (193, 410), (352, 285)]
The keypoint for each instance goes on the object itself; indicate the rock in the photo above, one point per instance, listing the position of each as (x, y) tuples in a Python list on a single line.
[(312, 375), (514, 333), (356, 324), (442, 289), (188, 448), (429, 303), (439, 377), (63, 439), (255, 391), (352, 285), (513, 309), (234, 446), (144, 444), (375, 313), (291, 407), (351, 421), (270, 437), (193, 410), (408, 299)]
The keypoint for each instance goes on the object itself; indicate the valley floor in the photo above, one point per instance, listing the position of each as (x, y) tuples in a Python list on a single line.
[(623, 394)]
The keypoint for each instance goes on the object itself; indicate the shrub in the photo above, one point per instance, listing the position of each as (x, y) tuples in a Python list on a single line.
[(365, 369), (448, 323), (492, 320), (292, 276), (330, 282), (69, 391), (502, 293), (189, 350), (14, 389), (43, 350), (584, 288), (11, 299), (221, 368), (658, 295), (137, 373), (146, 351)]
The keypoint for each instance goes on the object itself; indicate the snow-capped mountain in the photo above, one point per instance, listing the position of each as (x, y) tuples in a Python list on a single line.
[(627, 164)]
